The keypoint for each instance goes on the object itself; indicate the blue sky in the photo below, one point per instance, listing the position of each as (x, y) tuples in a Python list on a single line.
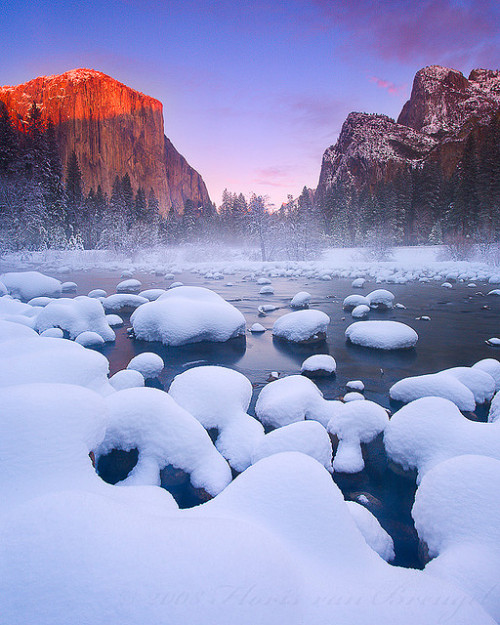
[(253, 92)]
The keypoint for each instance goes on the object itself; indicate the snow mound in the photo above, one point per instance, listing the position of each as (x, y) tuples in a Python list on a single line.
[(3, 289), (129, 286), (147, 363), (432, 429), (152, 294), (97, 293), (360, 312), (188, 314), (266, 290), (292, 399), (89, 339), (355, 385), (381, 334), (375, 535), (69, 287), (434, 385), (307, 437), (479, 382), (302, 299), (123, 302), (457, 516), (41, 301), (10, 331), (75, 316), (26, 285), (257, 328), (53, 333), (354, 423), (114, 321), (219, 398), (358, 283), (491, 366), (150, 421), (127, 378), (319, 365), (380, 298), (352, 396), (303, 326), (351, 301)]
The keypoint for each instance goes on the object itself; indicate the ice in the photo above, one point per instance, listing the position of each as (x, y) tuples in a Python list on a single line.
[(26, 285), (165, 434), (302, 299), (123, 302), (292, 399), (374, 534), (219, 398), (352, 301), (188, 315), (75, 316), (457, 515), (308, 437), (129, 286), (302, 326), (152, 294), (434, 385), (360, 312), (147, 363), (382, 334), (257, 327), (267, 290), (354, 423), (319, 365), (127, 378), (381, 299), (432, 429), (89, 339)]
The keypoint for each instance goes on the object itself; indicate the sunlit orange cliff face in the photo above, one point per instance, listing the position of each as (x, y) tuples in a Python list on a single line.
[(113, 129)]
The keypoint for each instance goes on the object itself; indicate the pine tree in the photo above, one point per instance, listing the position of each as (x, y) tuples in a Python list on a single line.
[(9, 145), (74, 196)]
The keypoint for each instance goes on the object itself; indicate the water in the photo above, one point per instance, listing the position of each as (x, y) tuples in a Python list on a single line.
[(454, 336)]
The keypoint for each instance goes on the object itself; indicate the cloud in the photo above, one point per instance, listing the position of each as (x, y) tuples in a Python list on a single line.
[(274, 176), (389, 86), (409, 31)]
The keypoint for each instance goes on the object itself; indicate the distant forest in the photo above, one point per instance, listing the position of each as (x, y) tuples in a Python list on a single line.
[(43, 204)]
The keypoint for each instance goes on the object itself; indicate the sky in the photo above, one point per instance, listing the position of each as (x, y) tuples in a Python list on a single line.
[(253, 91)]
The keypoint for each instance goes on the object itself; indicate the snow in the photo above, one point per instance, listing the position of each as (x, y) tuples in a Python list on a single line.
[(354, 423), (3, 289), (307, 437), (89, 339), (456, 514), (126, 378), (352, 301), (129, 286), (360, 312), (69, 287), (494, 292), (152, 294), (114, 321), (494, 341), (265, 308), (26, 285), (10, 331), (75, 316), (164, 434), (41, 301), (302, 326), (494, 412), (267, 290), (432, 429), (355, 385), (319, 364), (374, 534), (219, 398), (491, 366), (382, 334), (380, 298), (97, 293), (353, 396), (479, 382), (123, 302), (147, 363), (292, 399), (54, 333), (440, 384), (302, 299), (188, 315), (358, 283), (257, 327), (447, 285)]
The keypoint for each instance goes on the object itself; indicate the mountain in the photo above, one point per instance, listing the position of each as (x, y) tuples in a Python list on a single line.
[(114, 130), (416, 164)]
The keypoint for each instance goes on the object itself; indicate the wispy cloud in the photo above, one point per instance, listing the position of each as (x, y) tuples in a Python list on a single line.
[(389, 86), (273, 176)]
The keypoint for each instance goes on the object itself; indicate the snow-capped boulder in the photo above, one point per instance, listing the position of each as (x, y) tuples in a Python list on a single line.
[(41, 301), (114, 321), (219, 398), (257, 328), (355, 385), (302, 326), (358, 283), (479, 382), (302, 299), (434, 385), (75, 316), (352, 301), (360, 312), (432, 429), (97, 293), (123, 302), (352, 396), (89, 339), (382, 334), (3, 289), (292, 399), (491, 366), (126, 378), (266, 290), (129, 286), (308, 437), (10, 331), (53, 333), (26, 285), (318, 365), (69, 287), (380, 299), (152, 294), (188, 315), (147, 363), (354, 423), (375, 535)]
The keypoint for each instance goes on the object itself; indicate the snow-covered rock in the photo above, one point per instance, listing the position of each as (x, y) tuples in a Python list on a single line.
[(89, 339), (358, 283), (152, 294), (352, 396), (491, 366), (69, 287), (54, 333), (308, 437), (3, 289), (26, 285), (381, 299), (481, 383), (126, 378), (149, 364), (292, 399), (129, 286), (302, 326), (382, 334), (97, 293), (375, 535), (360, 312), (351, 301), (219, 398), (434, 385), (302, 299), (114, 321), (123, 302), (75, 316), (319, 365), (257, 328), (354, 423), (41, 301), (432, 429), (10, 331), (266, 290), (188, 315), (355, 385)]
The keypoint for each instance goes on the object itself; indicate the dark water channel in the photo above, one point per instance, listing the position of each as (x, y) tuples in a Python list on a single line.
[(462, 318)]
